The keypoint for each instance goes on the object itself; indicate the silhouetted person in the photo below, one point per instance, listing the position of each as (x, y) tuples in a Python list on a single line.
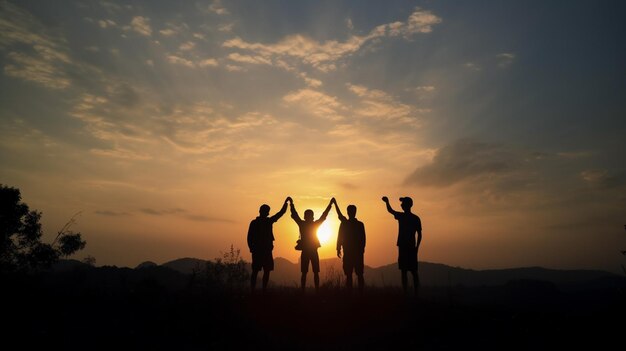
[(352, 238), (261, 243), (408, 225), (308, 234)]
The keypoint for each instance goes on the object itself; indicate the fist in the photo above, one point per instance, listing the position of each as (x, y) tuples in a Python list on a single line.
[(289, 199), (333, 200), (385, 199)]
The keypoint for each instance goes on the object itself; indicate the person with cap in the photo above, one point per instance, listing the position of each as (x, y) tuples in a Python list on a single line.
[(261, 243), (408, 224), (310, 243), (352, 238)]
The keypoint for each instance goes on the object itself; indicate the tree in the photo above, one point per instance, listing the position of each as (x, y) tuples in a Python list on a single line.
[(21, 248)]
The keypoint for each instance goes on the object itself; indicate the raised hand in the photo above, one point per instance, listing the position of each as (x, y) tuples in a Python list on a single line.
[(289, 199), (386, 199), (333, 201)]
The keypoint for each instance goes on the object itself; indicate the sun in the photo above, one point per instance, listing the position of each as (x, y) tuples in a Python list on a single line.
[(324, 232)]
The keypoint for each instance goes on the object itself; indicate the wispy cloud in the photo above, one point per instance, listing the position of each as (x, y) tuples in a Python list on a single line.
[(112, 213), (177, 60), (217, 8), (44, 63), (324, 56), (462, 160), (141, 25), (505, 59)]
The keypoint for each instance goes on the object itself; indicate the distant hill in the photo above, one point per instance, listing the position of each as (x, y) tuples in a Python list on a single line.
[(287, 273), (147, 264), (185, 265)]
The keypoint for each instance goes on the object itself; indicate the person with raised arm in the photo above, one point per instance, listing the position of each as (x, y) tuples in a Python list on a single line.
[(351, 238), (408, 224), (261, 243), (310, 243)]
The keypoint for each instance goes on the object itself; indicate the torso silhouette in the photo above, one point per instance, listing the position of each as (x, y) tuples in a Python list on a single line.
[(308, 233), (408, 225), (261, 234), (351, 236)]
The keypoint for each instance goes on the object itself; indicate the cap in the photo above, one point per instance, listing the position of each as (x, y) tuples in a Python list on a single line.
[(406, 200)]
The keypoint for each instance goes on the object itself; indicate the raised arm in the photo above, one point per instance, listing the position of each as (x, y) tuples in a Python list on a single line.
[(325, 213), (339, 214), (389, 209), (282, 211), (294, 213)]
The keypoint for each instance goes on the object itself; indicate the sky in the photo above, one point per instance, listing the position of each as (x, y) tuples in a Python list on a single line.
[(165, 125)]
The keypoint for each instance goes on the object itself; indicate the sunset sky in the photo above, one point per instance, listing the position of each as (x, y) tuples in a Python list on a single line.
[(167, 124)]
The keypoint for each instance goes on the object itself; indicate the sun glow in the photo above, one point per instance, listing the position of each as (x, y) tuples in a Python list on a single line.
[(324, 232)]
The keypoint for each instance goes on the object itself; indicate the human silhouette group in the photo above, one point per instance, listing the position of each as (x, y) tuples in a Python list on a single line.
[(350, 240)]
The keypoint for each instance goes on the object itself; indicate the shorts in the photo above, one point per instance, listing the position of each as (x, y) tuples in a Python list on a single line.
[(353, 261), (307, 256), (262, 260), (407, 258)]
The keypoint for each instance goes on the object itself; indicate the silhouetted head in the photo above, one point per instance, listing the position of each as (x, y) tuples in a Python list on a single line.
[(406, 203), (351, 211), (264, 210), (308, 215)]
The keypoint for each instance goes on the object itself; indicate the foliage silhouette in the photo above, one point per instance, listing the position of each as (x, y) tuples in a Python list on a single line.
[(229, 272), (21, 248)]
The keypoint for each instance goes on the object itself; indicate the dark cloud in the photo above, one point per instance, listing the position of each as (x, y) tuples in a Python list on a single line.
[(465, 159), (604, 179), (348, 186), (125, 95), (111, 213), (184, 214), (154, 212), (202, 218)]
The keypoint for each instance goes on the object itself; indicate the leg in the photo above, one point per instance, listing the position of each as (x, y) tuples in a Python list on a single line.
[(266, 279), (349, 281), (315, 264), (253, 279), (361, 281), (416, 281), (404, 280), (304, 268), (303, 281)]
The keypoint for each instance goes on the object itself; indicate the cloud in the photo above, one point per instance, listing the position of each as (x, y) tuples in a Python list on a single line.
[(105, 23), (168, 32), (380, 105), (463, 160), (505, 59), (47, 59), (323, 56), (177, 60), (187, 46), (111, 213), (473, 66), (227, 28), (202, 218), (183, 214), (41, 71), (315, 102), (141, 25), (257, 60), (217, 8), (208, 62), (153, 212), (602, 178)]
